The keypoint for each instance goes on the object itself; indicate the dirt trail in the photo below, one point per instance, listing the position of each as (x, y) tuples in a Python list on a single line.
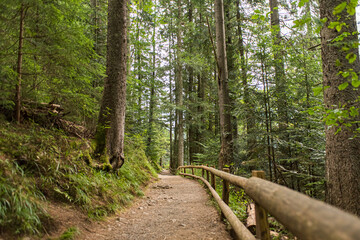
[(173, 208)]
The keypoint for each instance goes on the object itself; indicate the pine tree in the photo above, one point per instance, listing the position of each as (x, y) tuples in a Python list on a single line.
[(341, 56), (111, 125)]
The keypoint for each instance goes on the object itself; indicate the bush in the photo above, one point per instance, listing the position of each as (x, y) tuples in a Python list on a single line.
[(20, 211)]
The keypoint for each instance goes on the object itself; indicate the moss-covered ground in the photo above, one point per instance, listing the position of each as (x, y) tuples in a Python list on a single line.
[(39, 165)]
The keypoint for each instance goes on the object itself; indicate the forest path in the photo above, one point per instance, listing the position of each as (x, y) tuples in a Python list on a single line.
[(172, 208)]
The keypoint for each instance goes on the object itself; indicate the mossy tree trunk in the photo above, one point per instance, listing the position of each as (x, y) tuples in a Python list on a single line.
[(226, 152), (111, 123)]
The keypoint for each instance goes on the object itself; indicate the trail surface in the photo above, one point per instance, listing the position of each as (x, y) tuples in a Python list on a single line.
[(173, 208)]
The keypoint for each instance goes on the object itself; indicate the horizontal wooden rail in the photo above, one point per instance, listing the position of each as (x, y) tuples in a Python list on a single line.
[(231, 178), (305, 217), (241, 231)]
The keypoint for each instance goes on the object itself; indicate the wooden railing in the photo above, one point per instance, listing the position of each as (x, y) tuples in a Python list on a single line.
[(303, 216)]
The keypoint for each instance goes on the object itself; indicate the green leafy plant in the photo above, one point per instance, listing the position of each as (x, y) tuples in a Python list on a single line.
[(20, 208), (69, 234)]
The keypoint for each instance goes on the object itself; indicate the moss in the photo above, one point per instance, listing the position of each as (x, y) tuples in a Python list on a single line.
[(59, 167), (107, 167), (104, 158), (100, 140), (86, 157)]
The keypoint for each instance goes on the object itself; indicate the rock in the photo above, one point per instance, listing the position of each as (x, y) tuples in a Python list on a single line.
[(158, 186), (141, 208), (173, 220)]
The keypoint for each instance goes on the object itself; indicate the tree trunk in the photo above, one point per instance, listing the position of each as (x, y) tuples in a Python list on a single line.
[(111, 124), (152, 99), (180, 152), (179, 124), (138, 51), (226, 152), (200, 112), (249, 106), (191, 110), (171, 98), (343, 147), (280, 84), (19, 65), (232, 71)]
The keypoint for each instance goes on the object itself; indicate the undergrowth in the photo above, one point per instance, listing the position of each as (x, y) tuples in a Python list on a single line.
[(38, 165), (238, 202), (69, 234)]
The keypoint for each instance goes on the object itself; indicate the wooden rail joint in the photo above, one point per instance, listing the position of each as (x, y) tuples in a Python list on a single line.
[(261, 215)]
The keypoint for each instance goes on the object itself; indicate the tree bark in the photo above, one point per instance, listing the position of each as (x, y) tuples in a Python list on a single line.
[(179, 124), (200, 112), (249, 106), (179, 90), (280, 84), (226, 151), (19, 65), (152, 104), (111, 123), (232, 70), (343, 147), (191, 110)]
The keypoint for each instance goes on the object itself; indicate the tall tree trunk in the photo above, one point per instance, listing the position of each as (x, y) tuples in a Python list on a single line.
[(232, 71), (171, 99), (342, 147), (152, 98), (200, 113), (111, 124), (95, 25), (191, 110), (250, 121), (179, 125), (267, 120), (226, 152), (138, 51), (280, 83), (19, 65)]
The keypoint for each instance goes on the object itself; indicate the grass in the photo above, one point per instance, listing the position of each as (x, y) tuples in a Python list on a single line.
[(20, 210), (38, 165), (69, 234)]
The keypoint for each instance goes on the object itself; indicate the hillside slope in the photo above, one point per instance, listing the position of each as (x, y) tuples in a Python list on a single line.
[(44, 172)]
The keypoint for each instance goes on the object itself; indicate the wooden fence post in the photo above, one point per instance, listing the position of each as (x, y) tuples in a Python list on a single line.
[(261, 215), (202, 173), (213, 184), (207, 175), (226, 191), (184, 170), (192, 171)]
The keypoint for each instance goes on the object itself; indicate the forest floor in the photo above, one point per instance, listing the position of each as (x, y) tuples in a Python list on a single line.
[(172, 208)]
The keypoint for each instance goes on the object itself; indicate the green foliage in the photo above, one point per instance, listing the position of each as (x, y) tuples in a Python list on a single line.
[(46, 165), (20, 209), (59, 61), (349, 5), (69, 234)]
